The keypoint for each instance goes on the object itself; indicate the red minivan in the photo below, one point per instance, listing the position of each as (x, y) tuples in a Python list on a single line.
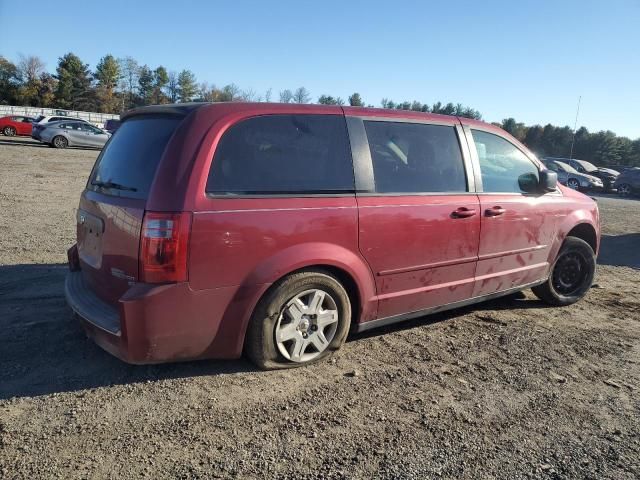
[(206, 230)]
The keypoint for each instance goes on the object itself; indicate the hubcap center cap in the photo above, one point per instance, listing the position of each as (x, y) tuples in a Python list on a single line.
[(304, 325)]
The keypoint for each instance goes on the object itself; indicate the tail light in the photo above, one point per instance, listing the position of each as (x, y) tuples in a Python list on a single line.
[(163, 247)]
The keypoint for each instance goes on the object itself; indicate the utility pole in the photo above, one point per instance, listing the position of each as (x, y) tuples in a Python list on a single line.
[(575, 125)]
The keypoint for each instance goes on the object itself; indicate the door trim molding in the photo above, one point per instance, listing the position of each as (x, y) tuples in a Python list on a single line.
[(381, 322), (445, 263)]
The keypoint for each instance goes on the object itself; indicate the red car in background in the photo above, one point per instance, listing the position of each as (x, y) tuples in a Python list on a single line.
[(16, 125)]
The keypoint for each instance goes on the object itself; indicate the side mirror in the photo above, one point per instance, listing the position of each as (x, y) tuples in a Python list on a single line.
[(548, 181), (528, 182)]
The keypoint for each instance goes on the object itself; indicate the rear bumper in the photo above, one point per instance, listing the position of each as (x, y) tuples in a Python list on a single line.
[(161, 323)]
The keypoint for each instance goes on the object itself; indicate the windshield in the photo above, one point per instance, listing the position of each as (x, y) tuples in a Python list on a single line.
[(589, 167), (127, 165), (567, 168)]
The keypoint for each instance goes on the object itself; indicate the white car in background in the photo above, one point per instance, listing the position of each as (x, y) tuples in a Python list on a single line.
[(41, 122)]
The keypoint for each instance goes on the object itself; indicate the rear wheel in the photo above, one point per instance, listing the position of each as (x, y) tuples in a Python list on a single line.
[(60, 142), (302, 319), (573, 183), (9, 131), (571, 275), (624, 190)]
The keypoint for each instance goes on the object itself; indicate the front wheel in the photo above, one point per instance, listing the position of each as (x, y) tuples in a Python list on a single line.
[(571, 274), (9, 131), (301, 320), (573, 183), (624, 190)]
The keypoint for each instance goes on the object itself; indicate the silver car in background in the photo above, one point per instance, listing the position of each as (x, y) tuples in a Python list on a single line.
[(74, 133), (569, 176)]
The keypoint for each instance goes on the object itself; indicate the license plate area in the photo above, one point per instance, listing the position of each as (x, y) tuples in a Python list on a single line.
[(90, 232)]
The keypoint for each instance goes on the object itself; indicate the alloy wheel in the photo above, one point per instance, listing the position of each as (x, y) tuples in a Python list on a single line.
[(60, 142), (9, 131), (573, 183), (306, 326)]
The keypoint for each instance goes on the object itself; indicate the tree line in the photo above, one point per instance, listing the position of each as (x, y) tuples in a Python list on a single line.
[(118, 84), (602, 148)]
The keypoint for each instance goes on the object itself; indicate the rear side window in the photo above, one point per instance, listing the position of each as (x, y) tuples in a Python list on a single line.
[(415, 158), (283, 154), (130, 159), (503, 166)]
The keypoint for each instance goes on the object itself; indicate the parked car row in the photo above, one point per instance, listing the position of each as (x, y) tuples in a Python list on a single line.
[(56, 131), (583, 175)]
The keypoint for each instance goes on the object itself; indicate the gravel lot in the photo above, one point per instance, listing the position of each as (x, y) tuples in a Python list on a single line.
[(506, 389)]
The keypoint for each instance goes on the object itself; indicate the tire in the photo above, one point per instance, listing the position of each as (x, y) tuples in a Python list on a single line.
[(59, 142), (624, 190), (9, 131), (573, 183), (571, 274), (300, 331)]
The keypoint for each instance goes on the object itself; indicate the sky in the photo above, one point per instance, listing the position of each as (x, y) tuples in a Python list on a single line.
[(530, 60)]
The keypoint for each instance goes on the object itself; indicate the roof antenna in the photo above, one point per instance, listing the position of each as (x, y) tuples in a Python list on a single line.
[(575, 125)]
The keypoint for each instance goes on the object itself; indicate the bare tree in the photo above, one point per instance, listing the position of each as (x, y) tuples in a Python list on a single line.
[(130, 73), (301, 95), (267, 95), (30, 67), (286, 96), (172, 87), (249, 95)]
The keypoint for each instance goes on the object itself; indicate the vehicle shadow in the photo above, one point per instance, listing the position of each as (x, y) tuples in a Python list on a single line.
[(620, 250), (515, 301), (21, 142), (43, 349)]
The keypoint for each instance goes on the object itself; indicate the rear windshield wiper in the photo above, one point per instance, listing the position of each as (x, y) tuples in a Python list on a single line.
[(113, 185)]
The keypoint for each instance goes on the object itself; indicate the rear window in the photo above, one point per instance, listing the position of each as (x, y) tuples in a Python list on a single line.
[(283, 154), (130, 159)]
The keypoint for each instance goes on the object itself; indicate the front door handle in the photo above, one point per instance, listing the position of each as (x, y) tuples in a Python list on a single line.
[(463, 212), (494, 211)]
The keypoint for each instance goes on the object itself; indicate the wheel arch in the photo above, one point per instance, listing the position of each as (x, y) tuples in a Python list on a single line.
[(585, 231), (347, 266)]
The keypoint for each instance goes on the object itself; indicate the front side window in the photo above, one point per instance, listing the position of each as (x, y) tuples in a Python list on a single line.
[(504, 168), (283, 154), (415, 158)]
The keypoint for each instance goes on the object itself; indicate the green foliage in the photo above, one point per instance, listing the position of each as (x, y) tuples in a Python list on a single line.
[(160, 81), (117, 85), (74, 90), (107, 72), (329, 100), (601, 148), (146, 81), (187, 87), (355, 100)]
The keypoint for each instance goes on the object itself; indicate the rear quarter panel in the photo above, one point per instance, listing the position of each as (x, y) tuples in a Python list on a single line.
[(249, 243)]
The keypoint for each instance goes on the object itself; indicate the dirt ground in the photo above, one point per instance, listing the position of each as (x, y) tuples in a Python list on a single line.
[(506, 389)]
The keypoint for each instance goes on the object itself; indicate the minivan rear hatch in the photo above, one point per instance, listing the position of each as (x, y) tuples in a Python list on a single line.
[(112, 206)]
